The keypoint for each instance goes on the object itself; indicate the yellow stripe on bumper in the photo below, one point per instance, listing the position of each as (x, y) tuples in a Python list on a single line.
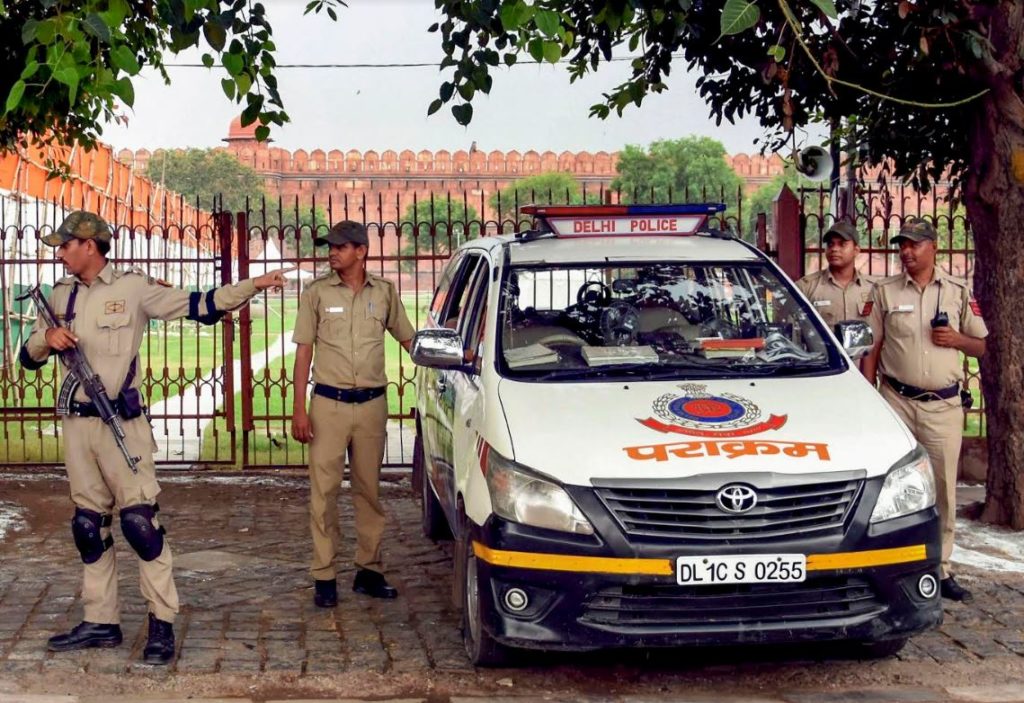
[(665, 567)]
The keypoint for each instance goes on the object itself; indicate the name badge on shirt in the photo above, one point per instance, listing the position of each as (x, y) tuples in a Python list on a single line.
[(904, 308), (822, 303), (336, 308)]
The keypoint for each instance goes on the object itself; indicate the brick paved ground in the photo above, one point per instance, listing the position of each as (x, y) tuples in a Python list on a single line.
[(248, 627)]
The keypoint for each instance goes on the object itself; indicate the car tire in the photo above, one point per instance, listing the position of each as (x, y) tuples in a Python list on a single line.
[(482, 649), (880, 650), (435, 525)]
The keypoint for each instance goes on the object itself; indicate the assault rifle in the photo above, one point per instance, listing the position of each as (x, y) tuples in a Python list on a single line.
[(82, 374)]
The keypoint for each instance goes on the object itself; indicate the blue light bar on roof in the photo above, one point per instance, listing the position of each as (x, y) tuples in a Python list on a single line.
[(677, 209)]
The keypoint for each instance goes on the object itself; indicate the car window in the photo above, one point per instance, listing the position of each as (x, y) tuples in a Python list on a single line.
[(459, 293), (656, 319), (441, 294), (471, 325)]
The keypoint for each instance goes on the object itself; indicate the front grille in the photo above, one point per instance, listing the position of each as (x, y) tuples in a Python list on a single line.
[(660, 513), (731, 605)]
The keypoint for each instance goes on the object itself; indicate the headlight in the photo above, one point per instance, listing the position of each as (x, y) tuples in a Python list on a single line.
[(909, 487), (521, 496)]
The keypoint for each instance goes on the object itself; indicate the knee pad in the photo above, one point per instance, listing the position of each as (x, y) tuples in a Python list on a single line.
[(85, 528), (137, 526)]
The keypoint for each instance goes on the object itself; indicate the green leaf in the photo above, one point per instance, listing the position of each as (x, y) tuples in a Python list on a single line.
[(117, 11), (510, 59), (30, 70), (463, 113), (262, 132), (3, 8), (552, 51), (234, 63), (208, 60), (512, 15), (739, 16), (215, 35), (828, 7), (435, 106), (244, 82), (28, 31), (466, 90), (123, 89), (536, 49), (46, 31), (69, 77), (228, 86), (547, 22), (124, 59), (94, 25), (14, 97), (777, 52), (447, 89)]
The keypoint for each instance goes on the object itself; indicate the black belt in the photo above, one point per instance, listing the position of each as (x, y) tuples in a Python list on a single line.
[(915, 393), (348, 395), (89, 409)]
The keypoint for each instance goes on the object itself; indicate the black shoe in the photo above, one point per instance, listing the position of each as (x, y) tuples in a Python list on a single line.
[(325, 593), (84, 635), (372, 583), (160, 645), (954, 591)]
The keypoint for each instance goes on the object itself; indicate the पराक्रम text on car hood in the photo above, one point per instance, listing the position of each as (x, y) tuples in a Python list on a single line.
[(578, 431)]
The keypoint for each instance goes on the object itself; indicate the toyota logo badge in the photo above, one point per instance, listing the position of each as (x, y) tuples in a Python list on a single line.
[(736, 498)]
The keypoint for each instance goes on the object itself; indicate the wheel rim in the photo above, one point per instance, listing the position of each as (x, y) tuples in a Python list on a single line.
[(472, 599)]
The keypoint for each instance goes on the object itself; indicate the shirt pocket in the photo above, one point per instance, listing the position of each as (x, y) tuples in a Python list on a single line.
[(374, 321), (115, 332), (903, 323), (334, 323)]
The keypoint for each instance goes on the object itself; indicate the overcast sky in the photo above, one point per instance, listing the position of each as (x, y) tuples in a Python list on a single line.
[(530, 106)]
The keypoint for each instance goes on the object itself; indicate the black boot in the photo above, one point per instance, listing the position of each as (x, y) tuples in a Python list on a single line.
[(160, 645), (951, 590), (325, 593), (371, 583), (84, 635)]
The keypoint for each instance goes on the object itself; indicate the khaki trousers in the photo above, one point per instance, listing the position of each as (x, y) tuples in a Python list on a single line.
[(359, 429), (101, 481), (938, 426)]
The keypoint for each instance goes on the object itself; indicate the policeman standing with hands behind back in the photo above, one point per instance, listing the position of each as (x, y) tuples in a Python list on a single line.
[(343, 316), (923, 319), (104, 312)]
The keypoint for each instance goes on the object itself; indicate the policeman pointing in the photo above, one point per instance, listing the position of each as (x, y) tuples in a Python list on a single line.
[(104, 312)]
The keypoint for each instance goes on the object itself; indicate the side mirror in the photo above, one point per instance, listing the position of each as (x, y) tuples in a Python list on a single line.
[(856, 337), (439, 348)]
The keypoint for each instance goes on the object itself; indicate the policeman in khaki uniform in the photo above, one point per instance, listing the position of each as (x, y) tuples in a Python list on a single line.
[(105, 312), (342, 317), (922, 320), (839, 292)]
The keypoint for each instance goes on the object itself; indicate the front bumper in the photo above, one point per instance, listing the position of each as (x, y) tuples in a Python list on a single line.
[(584, 593)]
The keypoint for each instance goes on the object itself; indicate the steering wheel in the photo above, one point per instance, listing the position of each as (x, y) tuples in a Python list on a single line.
[(620, 323), (594, 293), (717, 327)]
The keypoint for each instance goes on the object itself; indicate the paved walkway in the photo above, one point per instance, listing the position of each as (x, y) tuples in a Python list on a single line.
[(248, 628)]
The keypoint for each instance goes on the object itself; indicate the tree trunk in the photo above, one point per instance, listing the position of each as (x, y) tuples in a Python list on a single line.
[(994, 195)]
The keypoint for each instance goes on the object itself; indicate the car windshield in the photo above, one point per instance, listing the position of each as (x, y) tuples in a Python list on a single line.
[(657, 320)]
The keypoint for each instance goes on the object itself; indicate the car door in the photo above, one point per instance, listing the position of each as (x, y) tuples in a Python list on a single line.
[(439, 383)]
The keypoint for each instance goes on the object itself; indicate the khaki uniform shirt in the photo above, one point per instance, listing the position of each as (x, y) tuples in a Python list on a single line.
[(113, 313), (833, 302), (902, 313), (347, 329)]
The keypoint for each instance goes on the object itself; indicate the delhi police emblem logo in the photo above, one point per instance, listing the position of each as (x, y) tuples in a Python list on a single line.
[(698, 413)]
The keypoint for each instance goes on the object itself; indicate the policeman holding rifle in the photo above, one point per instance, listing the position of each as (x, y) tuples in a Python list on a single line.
[(94, 321)]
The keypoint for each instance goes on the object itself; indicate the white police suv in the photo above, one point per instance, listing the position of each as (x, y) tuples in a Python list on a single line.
[(639, 433)]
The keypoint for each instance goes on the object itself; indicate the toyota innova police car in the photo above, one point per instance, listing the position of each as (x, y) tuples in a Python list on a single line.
[(639, 433)]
